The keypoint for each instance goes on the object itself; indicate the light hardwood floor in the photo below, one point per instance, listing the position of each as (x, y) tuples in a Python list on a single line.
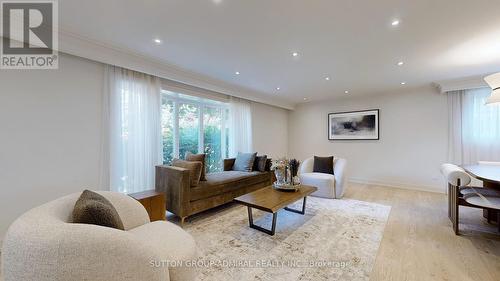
[(419, 243)]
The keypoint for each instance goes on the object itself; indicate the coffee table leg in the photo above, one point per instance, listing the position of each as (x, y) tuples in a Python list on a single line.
[(267, 231), (297, 211), (250, 216)]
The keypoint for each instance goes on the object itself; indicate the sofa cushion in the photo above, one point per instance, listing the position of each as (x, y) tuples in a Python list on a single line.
[(259, 164), (228, 164), (93, 208), (228, 177), (200, 158), (222, 182), (193, 167), (323, 165), (173, 244), (244, 162)]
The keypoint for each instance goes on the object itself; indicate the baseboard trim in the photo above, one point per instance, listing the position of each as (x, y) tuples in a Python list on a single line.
[(398, 185)]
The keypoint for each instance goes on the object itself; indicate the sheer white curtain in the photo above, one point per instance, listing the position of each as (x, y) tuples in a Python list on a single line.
[(240, 126), (474, 128), (132, 130)]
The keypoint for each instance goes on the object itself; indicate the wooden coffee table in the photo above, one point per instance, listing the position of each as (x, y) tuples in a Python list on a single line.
[(271, 200)]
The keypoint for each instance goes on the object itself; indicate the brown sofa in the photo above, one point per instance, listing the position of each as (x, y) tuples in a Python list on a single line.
[(219, 188)]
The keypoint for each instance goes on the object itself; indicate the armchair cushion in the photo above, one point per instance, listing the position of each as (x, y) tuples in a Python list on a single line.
[(323, 165), (324, 182), (93, 208)]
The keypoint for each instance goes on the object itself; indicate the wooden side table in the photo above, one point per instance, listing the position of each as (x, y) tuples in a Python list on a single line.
[(154, 202)]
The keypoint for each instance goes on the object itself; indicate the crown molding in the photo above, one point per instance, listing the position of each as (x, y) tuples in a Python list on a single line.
[(466, 83), (76, 45)]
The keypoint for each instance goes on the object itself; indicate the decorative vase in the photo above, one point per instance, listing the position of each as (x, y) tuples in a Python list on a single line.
[(280, 175)]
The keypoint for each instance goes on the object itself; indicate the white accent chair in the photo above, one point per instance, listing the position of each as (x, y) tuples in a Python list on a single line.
[(329, 186), (43, 245)]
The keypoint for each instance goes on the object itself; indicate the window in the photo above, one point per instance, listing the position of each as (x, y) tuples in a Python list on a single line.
[(189, 128), (167, 129), (480, 121), (195, 125), (474, 133)]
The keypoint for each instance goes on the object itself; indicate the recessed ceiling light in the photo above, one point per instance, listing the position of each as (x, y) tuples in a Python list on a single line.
[(278, 88), (295, 54), (400, 63), (346, 92), (305, 98), (395, 23), (403, 83), (237, 73), (327, 78), (157, 41)]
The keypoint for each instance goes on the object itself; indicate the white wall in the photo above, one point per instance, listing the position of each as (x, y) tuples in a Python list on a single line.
[(49, 134), (412, 145), (270, 130)]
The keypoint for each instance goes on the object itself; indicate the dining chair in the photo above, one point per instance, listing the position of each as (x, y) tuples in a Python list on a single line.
[(455, 176), (459, 194)]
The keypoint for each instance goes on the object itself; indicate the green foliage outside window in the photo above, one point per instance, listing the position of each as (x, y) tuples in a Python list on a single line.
[(167, 125), (189, 129), (212, 121)]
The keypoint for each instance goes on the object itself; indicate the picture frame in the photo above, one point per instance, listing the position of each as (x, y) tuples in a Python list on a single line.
[(354, 125)]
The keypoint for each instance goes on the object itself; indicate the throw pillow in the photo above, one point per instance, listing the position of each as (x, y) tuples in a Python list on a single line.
[(200, 158), (93, 208), (193, 167), (323, 165), (269, 163), (259, 164), (244, 162)]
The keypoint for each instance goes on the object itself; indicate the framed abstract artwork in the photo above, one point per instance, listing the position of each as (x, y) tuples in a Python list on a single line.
[(354, 125)]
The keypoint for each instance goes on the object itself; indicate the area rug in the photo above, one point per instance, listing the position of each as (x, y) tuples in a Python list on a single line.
[(334, 240)]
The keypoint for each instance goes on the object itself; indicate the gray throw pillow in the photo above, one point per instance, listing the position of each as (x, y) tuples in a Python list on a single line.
[(93, 208), (244, 162), (259, 164), (323, 165), (194, 168)]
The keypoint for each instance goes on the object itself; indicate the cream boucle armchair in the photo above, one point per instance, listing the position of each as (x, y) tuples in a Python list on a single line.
[(43, 245), (329, 186)]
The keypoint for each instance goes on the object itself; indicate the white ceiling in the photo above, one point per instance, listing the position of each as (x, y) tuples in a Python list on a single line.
[(351, 41)]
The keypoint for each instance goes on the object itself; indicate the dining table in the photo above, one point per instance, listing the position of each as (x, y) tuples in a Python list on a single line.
[(489, 174)]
